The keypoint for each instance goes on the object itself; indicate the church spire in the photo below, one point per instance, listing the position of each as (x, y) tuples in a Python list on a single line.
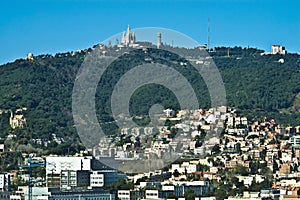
[(128, 29), (128, 37)]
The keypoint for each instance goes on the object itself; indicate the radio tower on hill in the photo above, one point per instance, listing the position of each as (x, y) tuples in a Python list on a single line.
[(208, 34)]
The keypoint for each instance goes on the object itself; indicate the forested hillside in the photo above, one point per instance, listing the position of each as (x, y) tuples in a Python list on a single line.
[(257, 85)]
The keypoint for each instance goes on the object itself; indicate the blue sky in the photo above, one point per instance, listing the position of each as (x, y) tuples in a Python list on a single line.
[(51, 26)]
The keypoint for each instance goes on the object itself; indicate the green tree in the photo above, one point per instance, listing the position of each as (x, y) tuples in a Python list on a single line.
[(176, 173), (239, 169), (216, 149), (189, 194)]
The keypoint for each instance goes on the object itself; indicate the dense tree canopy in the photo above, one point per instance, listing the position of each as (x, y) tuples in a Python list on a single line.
[(258, 85)]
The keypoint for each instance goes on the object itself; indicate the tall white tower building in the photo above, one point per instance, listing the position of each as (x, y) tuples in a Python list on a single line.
[(158, 40)]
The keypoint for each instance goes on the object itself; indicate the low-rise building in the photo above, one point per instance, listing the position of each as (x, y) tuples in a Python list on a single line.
[(96, 179), (278, 49), (4, 182)]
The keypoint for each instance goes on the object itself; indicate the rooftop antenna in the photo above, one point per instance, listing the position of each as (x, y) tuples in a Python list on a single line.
[(208, 34)]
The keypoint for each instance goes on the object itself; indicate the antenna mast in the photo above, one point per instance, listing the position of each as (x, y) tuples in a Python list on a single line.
[(208, 34)]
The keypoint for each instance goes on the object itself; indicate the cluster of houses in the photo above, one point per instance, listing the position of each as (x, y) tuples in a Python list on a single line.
[(141, 142), (242, 143), (210, 143)]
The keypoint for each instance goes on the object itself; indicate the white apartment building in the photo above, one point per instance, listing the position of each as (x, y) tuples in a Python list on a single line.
[(56, 164), (278, 49), (124, 194), (295, 141), (96, 179), (4, 182), (151, 194)]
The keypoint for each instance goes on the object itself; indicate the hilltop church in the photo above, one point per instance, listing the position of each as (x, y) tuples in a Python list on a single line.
[(128, 38)]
